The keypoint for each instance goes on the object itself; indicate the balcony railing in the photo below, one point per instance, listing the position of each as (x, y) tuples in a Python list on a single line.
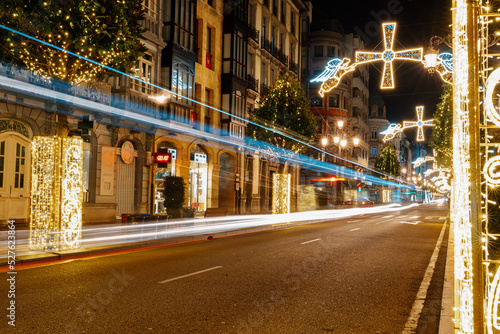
[(266, 45), (294, 67), (275, 51), (253, 83), (253, 34), (282, 57)]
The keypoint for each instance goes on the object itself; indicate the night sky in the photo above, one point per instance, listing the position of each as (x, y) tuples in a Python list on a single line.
[(417, 21)]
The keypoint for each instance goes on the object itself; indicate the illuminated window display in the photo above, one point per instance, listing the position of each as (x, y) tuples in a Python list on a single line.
[(198, 172)]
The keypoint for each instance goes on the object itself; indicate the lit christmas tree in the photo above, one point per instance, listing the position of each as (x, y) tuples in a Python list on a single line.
[(442, 133), (387, 162), (106, 31), (284, 107)]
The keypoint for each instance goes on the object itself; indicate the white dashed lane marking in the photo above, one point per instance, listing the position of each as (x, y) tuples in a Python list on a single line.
[(192, 274), (303, 243)]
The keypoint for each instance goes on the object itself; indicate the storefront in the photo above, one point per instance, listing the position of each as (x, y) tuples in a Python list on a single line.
[(161, 173), (198, 178)]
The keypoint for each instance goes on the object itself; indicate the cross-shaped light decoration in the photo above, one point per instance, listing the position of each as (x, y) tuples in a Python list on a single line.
[(419, 123), (388, 55)]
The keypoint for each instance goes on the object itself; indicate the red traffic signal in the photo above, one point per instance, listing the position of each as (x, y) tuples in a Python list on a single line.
[(162, 159)]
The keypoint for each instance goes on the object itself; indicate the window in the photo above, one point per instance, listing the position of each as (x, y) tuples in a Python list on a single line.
[(183, 22), (182, 84), (374, 133), (149, 7), (292, 23), (333, 100), (87, 156), (330, 51), (20, 166), (318, 51), (374, 150), (208, 48), (144, 72), (283, 11), (319, 126)]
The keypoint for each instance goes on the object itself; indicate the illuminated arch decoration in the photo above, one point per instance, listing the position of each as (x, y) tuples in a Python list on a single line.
[(388, 55), (492, 318), (491, 111), (491, 171), (395, 129), (337, 68), (56, 193)]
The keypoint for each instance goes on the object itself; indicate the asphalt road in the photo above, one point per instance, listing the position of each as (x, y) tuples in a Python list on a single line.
[(355, 275)]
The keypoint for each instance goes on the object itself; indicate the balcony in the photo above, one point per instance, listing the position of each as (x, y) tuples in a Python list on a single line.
[(253, 34), (275, 51), (266, 45), (253, 83), (294, 67)]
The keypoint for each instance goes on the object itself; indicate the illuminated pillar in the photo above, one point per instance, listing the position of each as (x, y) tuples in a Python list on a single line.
[(281, 193), (465, 201), (56, 193)]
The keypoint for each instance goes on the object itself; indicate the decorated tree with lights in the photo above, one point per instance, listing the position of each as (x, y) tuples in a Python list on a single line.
[(387, 162), (285, 108), (442, 133), (105, 31)]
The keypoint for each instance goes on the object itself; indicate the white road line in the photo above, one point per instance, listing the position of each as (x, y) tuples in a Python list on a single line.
[(303, 243), (192, 274), (411, 223), (354, 229), (389, 216), (414, 217), (442, 218), (411, 323)]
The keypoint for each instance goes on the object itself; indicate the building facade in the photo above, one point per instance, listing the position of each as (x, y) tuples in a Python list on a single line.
[(342, 112), (201, 57)]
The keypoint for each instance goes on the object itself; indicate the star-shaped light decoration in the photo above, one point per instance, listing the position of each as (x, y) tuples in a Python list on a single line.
[(388, 55)]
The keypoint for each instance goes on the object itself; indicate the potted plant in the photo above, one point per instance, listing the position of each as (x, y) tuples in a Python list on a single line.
[(175, 189)]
